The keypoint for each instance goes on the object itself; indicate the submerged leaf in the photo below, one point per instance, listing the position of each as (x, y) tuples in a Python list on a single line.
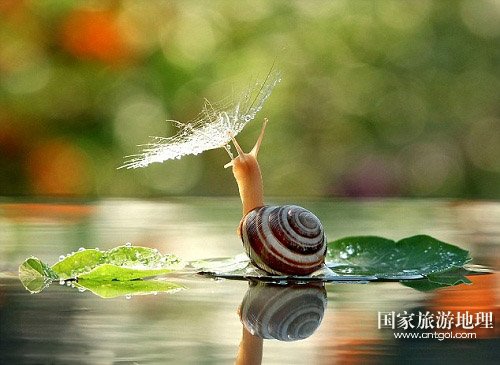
[(35, 275), (437, 281), (221, 265), (448, 278), (410, 257), (113, 289)]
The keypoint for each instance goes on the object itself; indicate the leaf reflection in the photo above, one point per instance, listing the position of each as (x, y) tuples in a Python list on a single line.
[(113, 289)]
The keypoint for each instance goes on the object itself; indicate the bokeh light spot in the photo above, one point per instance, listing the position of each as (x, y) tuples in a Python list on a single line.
[(93, 34), (482, 17), (137, 118), (433, 166), (483, 144), (57, 167), (192, 40)]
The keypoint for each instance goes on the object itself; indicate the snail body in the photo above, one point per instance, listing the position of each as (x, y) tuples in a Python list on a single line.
[(281, 240)]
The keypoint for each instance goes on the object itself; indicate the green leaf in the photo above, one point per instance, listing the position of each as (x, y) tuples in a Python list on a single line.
[(384, 258), (113, 289), (35, 275), (120, 263), (133, 255), (106, 273), (78, 263), (109, 272), (145, 256)]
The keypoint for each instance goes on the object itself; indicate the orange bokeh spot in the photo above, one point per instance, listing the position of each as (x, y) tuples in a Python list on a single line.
[(24, 212), (58, 168), (92, 34), (481, 296), (10, 7)]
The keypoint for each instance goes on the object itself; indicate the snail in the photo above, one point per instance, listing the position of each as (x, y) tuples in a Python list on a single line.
[(284, 313), (281, 240)]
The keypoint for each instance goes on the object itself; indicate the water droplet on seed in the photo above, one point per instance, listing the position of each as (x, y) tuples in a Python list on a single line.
[(128, 296), (128, 244), (61, 257), (81, 249)]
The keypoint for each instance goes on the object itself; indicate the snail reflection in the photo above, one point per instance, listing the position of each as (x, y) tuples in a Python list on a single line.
[(284, 313)]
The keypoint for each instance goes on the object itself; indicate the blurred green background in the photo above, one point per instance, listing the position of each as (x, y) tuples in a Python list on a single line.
[(378, 98)]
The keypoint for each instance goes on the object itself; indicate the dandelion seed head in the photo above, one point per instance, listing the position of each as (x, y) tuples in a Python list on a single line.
[(210, 130)]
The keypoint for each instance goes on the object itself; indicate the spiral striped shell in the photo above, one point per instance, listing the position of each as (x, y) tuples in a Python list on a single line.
[(285, 313), (284, 240)]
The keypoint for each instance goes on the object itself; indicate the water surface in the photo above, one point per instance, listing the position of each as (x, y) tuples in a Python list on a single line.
[(201, 325)]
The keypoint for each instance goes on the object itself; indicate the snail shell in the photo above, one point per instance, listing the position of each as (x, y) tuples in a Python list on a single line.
[(283, 240), (285, 313)]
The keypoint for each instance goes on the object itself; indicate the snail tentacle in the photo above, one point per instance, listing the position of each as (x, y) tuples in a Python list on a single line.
[(256, 147), (247, 173)]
